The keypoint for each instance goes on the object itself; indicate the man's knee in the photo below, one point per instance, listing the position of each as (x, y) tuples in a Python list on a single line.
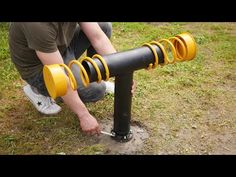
[(93, 92), (106, 28)]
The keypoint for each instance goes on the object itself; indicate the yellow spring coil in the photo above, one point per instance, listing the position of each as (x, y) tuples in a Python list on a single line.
[(183, 47), (55, 77)]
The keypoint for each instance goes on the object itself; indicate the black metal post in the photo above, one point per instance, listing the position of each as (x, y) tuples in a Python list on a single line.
[(122, 107), (122, 65)]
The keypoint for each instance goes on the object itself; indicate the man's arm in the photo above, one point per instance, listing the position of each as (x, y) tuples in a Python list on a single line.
[(97, 37), (87, 122), (99, 41)]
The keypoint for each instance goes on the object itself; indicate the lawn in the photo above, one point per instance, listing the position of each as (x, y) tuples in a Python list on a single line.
[(187, 108)]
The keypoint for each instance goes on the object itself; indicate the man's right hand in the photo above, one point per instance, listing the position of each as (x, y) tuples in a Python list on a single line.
[(89, 125)]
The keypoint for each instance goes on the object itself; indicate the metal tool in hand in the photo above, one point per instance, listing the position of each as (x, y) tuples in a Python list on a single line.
[(107, 133)]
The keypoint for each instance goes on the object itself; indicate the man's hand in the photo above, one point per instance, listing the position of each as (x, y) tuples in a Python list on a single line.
[(89, 125)]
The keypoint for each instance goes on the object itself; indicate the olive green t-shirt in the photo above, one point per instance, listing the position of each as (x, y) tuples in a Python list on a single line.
[(27, 38)]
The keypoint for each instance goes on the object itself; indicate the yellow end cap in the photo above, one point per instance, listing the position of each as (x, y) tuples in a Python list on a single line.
[(190, 44), (55, 80)]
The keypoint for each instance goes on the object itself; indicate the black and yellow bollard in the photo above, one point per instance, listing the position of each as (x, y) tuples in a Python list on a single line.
[(121, 65)]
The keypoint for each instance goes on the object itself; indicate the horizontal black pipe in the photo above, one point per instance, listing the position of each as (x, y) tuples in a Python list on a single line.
[(124, 62)]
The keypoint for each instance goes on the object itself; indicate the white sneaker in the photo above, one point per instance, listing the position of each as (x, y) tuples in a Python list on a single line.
[(110, 87), (43, 104)]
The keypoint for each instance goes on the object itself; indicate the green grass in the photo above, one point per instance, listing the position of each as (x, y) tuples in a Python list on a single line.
[(8, 72), (4, 49), (187, 108)]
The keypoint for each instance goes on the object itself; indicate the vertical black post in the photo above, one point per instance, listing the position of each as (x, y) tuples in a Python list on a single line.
[(122, 107)]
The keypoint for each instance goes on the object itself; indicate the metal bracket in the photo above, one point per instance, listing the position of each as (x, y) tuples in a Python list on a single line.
[(122, 138)]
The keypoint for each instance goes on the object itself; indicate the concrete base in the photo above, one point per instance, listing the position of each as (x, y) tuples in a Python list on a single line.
[(131, 147)]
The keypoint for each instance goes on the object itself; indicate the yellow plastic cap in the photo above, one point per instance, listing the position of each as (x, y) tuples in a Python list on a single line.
[(190, 46), (55, 80)]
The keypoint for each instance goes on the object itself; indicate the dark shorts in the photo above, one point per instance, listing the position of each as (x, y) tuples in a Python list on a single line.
[(79, 44)]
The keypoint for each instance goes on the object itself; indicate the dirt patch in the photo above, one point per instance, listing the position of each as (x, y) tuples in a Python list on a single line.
[(134, 146), (225, 143)]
